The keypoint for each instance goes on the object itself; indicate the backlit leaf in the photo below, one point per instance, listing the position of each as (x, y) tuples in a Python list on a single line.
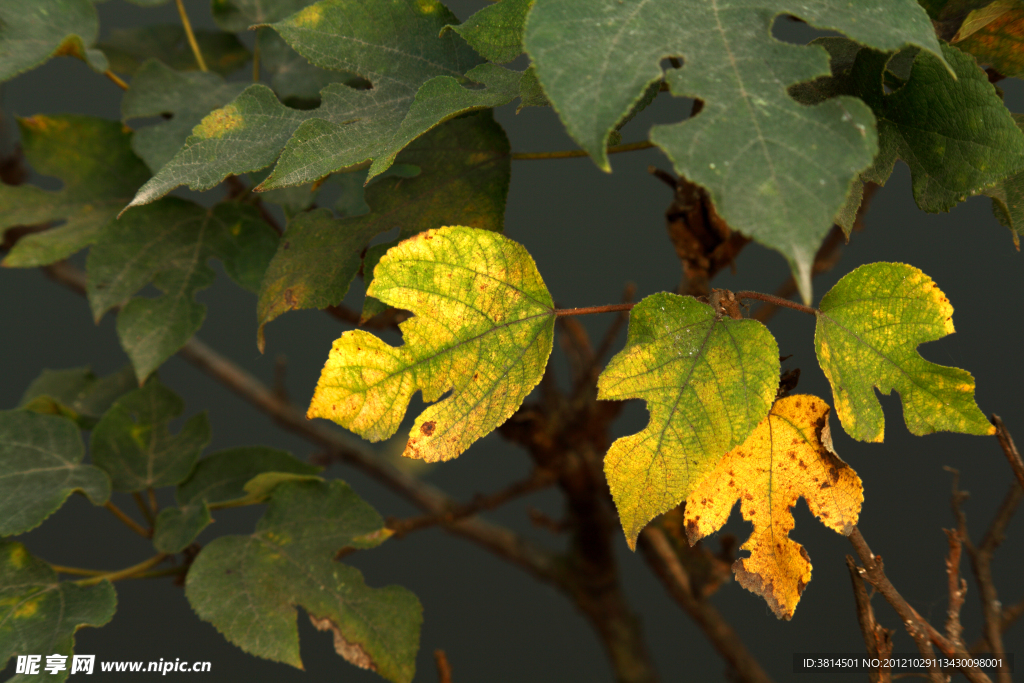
[(248, 587), (32, 31), (997, 42), (39, 614), (133, 444), (788, 456), (496, 31), (464, 169), (127, 49), (869, 326), (93, 158), (77, 394), (222, 476), (707, 379), (776, 170), (40, 466), (482, 328), (187, 97)]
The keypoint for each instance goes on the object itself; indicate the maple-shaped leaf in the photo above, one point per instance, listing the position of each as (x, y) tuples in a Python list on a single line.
[(248, 587), (133, 444), (776, 170), (94, 159), (788, 456), (482, 328), (39, 615), (40, 466), (127, 49), (496, 31), (168, 244), (464, 169), (707, 379), (993, 34), (158, 90), (868, 328), (32, 31), (77, 394)]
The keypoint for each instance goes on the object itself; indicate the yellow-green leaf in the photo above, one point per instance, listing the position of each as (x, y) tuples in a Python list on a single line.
[(482, 328), (789, 455), (708, 381), (869, 327)]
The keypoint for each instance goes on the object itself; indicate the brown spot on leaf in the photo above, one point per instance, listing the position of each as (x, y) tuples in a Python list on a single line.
[(427, 428), (354, 653)]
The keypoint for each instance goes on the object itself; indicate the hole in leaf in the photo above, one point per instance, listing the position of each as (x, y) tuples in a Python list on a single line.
[(789, 29)]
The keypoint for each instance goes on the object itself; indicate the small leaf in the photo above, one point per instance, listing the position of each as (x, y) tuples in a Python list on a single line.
[(482, 328), (77, 394), (496, 31), (176, 528), (222, 476), (464, 175), (39, 615), (128, 48), (133, 444), (994, 35), (157, 91), (708, 380), (40, 466), (93, 158), (249, 586), (788, 456), (869, 326), (32, 31)]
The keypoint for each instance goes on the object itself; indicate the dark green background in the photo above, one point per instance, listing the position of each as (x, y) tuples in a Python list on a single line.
[(590, 234)]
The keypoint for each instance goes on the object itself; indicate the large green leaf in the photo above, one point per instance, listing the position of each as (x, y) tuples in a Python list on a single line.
[(496, 31), (464, 169), (708, 380), (128, 49), (417, 80), (77, 394), (40, 466), (1008, 197), (869, 326), (187, 97), (776, 170), (482, 328), (93, 158), (169, 244), (221, 477), (133, 445), (39, 614), (249, 586), (32, 31)]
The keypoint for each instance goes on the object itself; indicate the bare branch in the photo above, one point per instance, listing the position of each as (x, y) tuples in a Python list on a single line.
[(1009, 449), (877, 640)]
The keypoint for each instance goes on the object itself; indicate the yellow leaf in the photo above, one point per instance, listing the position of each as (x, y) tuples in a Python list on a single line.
[(789, 455)]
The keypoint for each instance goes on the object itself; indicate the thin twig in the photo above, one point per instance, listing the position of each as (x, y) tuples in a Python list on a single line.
[(190, 35), (116, 79), (957, 588), (659, 554), (151, 494), (1009, 449), (128, 521), (127, 573), (589, 376), (877, 639), (609, 308), (776, 301), (573, 153), (77, 571), (444, 669), (144, 509)]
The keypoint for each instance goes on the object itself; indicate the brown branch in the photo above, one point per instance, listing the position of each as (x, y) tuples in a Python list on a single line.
[(776, 301), (957, 588), (609, 308), (877, 640), (1009, 449), (662, 558), (444, 669), (920, 630)]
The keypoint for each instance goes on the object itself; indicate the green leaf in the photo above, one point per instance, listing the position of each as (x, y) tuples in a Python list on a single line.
[(482, 328), (133, 445), (222, 476), (32, 31), (708, 380), (159, 91), (39, 614), (464, 175), (297, 82), (169, 244), (40, 466), (239, 15), (77, 394), (1008, 197), (496, 31), (351, 126), (128, 48), (869, 326), (776, 170), (249, 586), (93, 158), (176, 528)]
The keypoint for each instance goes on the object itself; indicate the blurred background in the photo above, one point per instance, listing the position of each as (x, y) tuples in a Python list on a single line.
[(591, 233)]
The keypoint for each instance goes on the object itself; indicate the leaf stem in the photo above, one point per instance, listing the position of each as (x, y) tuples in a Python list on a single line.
[(190, 35), (126, 573), (116, 79), (777, 301), (76, 571), (144, 508), (610, 308), (573, 153), (128, 521)]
